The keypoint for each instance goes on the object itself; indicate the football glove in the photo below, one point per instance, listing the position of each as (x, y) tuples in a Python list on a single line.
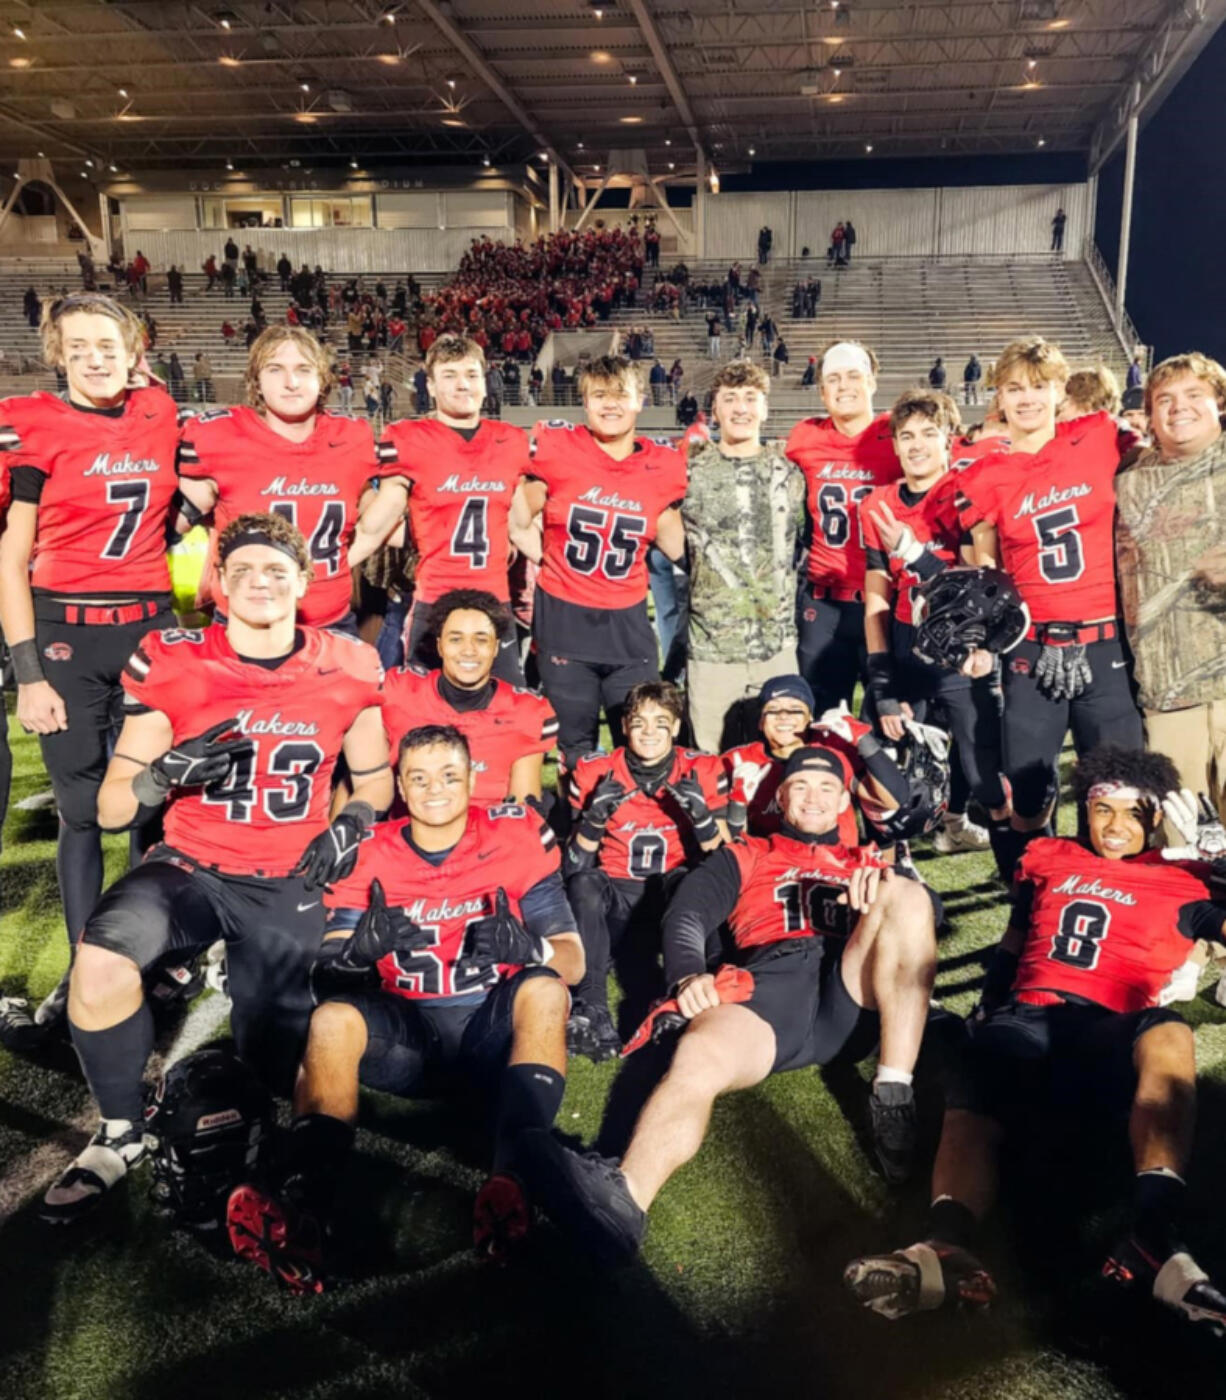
[(607, 796), (1195, 820), (746, 780), (687, 793), (334, 852), (1062, 672), (346, 964), (501, 938), (205, 759)]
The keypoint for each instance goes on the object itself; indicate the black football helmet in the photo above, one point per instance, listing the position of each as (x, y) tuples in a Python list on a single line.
[(922, 755), (206, 1123), (963, 609)]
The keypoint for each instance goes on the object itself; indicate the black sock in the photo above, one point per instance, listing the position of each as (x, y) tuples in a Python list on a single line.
[(113, 1061), (78, 868), (952, 1222), (1156, 1205), (529, 1096), (315, 1154)]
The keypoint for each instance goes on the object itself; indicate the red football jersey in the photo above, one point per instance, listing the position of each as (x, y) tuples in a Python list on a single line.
[(506, 847), (1105, 930), (649, 835), (460, 503), (515, 722), (963, 454), (839, 472), (934, 520), (790, 888), (1054, 513), (764, 817), (273, 804), (316, 484), (109, 485), (601, 514)]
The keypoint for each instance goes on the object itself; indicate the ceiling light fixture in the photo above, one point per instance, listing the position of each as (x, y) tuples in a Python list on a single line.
[(353, 165), (229, 165), (633, 79), (228, 61), (485, 160), (115, 169), (306, 87)]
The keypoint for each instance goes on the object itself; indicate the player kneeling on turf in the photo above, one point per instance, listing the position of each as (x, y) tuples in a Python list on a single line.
[(644, 814), (235, 731), (449, 946), (842, 954), (1073, 1000)]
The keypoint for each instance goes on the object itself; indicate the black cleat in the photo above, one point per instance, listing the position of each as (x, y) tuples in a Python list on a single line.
[(1177, 1282), (18, 1029), (110, 1154), (927, 1276), (584, 1194), (895, 1130), (590, 1031)]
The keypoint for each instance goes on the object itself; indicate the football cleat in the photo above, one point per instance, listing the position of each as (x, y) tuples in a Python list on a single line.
[(891, 1109), (52, 1013), (502, 1217), (590, 1031), (216, 976), (111, 1153), (927, 1276), (954, 836), (18, 1028), (1177, 1282), (584, 1194), (286, 1243)]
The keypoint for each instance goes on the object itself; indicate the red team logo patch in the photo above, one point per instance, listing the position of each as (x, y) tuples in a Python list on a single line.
[(1020, 666), (58, 651)]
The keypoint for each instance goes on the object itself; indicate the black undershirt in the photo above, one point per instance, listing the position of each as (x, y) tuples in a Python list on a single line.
[(461, 699), (650, 776), (431, 857), (466, 433), (271, 663)]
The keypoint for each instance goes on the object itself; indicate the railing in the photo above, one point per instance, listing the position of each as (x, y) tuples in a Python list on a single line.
[(1126, 333)]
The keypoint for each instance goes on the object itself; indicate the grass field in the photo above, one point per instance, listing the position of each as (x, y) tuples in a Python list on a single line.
[(738, 1291)]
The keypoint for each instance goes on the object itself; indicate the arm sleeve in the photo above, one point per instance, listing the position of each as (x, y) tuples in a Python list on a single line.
[(545, 908), (703, 901), (27, 484), (879, 765), (876, 559), (1202, 918)]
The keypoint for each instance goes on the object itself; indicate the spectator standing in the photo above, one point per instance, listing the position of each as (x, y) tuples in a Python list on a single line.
[(768, 333), (229, 276), (937, 375), (536, 385), (140, 266), (177, 379), (658, 379), (651, 245), (285, 270), (174, 284), (495, 388), (209, 268), (344, 386), (808, 379), (849, 239), (972, 373), (765, 239), (1136, 374), (421, 391), (780, 357), (31, 307), (370, 392), (713, 334), (202, 373), (88, 275), (1057, 231), (231, 251), (675, 375), (838, 245), (1171, 563)]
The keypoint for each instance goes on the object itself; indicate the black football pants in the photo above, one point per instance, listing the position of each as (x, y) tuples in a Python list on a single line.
[(578, 690), (830, 647), (1035, 725)]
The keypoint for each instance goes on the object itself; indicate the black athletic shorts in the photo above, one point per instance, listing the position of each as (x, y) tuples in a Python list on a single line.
[(1071, 1055), (272, 929), (798, 990), (408, 1040)]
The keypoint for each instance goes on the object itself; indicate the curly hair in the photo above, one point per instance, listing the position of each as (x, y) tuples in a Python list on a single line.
[(448, 349), (266, 345), (740, 374), (275, 528), (51, 331), (1137, 768), (468, 600), (932, 404), (1193, 362)]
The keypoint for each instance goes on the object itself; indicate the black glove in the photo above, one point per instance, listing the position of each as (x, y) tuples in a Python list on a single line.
[(880, 668), (689, 797), (334, 852), (502, 938), (348, 964), (204, 759), (1062, 672), (607, 796)]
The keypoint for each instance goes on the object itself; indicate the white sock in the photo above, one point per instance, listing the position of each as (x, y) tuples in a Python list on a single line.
[(886, 1075)]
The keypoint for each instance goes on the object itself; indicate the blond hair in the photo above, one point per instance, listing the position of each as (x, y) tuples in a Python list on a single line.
[(447, 349), (266, 345), (131, 331), (933, 404), (1094, 390), (740, 374), (1041, 361), (1190, 362)]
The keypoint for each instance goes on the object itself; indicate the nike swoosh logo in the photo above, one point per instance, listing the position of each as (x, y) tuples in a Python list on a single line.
[(484, 855), (1117, 665), (314, 904)]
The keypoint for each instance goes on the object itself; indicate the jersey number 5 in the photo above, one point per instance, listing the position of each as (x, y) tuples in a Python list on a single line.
[(1060, 556)]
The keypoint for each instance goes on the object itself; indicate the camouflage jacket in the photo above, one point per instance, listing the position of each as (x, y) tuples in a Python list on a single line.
[(743, 519), (1170, 515)]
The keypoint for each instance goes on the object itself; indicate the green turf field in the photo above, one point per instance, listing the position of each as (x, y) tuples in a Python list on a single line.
[(738, 1292)]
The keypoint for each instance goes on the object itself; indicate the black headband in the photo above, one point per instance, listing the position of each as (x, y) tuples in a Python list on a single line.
[(257, 537)]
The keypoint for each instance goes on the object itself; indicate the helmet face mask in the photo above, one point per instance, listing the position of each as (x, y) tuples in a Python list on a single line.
[(963, 610), (922, 754)]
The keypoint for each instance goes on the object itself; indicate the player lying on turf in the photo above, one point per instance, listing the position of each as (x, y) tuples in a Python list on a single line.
[(642, 816), (235, 731), (1071, 1013), (449, 947), (912, 533), (842, 954), (509, 729)]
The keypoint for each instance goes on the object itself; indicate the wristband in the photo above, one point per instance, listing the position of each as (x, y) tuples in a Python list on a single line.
[(148, 789), (27, 667), (363, 811), (880, 669)]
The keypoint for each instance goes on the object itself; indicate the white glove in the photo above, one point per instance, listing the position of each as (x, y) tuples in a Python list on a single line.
[(1182, 811), (747, 778), (1183, 983), (1196, 821), (908, 549), (937, 740), (835, 720)]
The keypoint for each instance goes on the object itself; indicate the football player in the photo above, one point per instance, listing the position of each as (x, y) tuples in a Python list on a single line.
[(841, 953), (448, 947), (755, 771), (912, 533), (83, 571), (1044, 511), (842, 457), (1073, 1013), (464, 471), (642, 816), (234, 733), (509, 729), (284, 452), (605, 495)]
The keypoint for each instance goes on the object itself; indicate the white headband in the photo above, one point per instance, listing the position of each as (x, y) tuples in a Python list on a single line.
[(1121, 792), (846, 356)]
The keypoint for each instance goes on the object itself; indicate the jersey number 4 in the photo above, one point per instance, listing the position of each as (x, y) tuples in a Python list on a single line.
[(1078, 940), (586, 548), (292, 760), (471, 537)]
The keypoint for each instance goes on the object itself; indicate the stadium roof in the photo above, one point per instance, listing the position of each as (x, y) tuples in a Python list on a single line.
[(151, 83)]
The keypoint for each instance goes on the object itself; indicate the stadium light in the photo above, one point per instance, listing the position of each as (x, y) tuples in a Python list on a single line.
[(869, 148), (668, 141), (672, 165), (633, 79), (353, 165), (114, 169), (229, 165), (20, 33), (1041, 141), (123, 92), (485, 160), (752, 152)]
